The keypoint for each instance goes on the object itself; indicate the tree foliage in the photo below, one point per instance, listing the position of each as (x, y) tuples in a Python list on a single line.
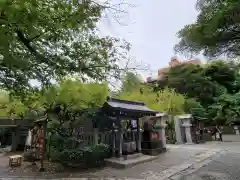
[(45, 40), (189, 79), (166, 100), (75, 95), (63, 102), (195, 108), (202, 82), (211, 90), (226, 109), (130, 82), (216, 30), (11, 106)]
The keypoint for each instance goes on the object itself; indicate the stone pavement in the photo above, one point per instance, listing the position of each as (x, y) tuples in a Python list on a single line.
[(223, 166), (210, 161), (177, 159), (231, 138)]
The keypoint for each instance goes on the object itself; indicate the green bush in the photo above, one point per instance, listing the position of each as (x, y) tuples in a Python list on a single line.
[(89, 156)]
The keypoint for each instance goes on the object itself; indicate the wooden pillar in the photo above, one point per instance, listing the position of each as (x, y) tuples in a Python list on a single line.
[(15, 138), (13, 145), (120, 137), (95, 136), (114, 143), (138, 137)]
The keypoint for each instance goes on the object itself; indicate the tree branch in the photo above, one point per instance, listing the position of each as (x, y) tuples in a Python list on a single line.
[(25, 41)]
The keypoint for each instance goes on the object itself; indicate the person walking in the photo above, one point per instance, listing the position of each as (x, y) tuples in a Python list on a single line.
[(219, 133)]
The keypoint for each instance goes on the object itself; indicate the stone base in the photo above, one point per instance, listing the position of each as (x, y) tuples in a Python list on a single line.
[(200, 142), (189, 143), (178, 143), (129, 160), (153, 152)]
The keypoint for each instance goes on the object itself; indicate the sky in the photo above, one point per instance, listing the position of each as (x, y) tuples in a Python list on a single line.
[(151, 28)]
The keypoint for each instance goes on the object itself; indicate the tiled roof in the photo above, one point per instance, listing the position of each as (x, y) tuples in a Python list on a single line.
[(129, 105)]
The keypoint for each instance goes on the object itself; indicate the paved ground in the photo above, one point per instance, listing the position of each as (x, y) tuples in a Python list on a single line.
[(176, 159), (223, 166), (210, 161), (231, 138)]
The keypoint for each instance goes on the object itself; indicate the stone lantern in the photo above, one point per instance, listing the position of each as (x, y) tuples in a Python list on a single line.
[(183, 128), (236, 130)]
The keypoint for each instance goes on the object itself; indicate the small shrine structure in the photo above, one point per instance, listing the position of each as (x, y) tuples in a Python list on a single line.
[(126, 113)]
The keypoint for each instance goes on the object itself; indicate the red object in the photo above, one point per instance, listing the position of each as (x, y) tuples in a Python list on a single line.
[(41, 134), (155, 136)]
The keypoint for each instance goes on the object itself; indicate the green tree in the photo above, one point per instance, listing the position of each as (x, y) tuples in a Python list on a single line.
[(131, 81), (70, 101), (222, 73), (226, 109), (166, 100), (212, 90), (216, 30), (45, 40), (195, 108), (11, 106), (189, 79)]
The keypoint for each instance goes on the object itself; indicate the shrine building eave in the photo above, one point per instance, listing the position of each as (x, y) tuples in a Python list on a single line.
[(129, 108)]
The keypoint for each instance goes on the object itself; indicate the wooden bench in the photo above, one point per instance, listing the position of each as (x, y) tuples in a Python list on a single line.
[(15, 160)]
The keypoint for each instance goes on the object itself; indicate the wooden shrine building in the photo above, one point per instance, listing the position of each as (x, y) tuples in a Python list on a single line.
[(124, 118)]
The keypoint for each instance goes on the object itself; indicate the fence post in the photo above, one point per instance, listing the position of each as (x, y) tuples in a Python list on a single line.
[(95, 136)]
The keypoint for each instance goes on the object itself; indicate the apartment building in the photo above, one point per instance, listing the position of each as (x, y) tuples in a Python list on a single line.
[(173, 63)]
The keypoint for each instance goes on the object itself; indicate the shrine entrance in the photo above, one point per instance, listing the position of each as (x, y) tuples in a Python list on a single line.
[(126, 125)]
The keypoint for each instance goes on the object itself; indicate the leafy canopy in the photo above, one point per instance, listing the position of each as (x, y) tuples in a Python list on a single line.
[(68, 99), (45, 40), (202, 83), (75, 95), (216, 30), (130, 82), (195, 108), (226, 109), (11, 106), (212, 90), (166, 100)]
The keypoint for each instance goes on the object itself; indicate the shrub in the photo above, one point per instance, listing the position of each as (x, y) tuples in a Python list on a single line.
[(88, 156)]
